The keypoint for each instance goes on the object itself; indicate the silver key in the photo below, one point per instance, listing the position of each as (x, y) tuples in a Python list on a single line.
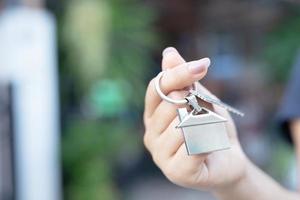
[(216, 101)]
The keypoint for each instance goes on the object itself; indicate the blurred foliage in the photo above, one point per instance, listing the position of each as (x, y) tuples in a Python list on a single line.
[(105, 53), (108, 98), (89, 152), (132, 40), (85, 34), (281, 47), (109, 39)]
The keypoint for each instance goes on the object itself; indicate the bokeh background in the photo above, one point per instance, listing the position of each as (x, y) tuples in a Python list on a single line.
[(108, 50)]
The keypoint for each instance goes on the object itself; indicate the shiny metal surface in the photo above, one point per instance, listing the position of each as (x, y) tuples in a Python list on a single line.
[(203, 132), (163, 96)]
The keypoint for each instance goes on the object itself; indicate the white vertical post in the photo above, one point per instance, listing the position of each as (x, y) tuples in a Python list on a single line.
[(28, 51)]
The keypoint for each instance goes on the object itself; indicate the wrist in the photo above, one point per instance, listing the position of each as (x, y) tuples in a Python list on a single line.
[(238, 186), (252, 185)]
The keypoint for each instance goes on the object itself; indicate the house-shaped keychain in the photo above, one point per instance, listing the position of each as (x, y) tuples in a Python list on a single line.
[(203, 132)]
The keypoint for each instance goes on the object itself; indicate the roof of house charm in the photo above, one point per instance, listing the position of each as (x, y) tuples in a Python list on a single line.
[(203, 132)]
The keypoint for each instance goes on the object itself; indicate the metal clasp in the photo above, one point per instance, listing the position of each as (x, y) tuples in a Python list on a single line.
[(192, 101)]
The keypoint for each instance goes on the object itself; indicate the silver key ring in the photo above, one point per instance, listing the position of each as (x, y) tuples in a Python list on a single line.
[(163, 96)]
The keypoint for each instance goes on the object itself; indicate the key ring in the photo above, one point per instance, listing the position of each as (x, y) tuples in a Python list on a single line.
[(163, 96)]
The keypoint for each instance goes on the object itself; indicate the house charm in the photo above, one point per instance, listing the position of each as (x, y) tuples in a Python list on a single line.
[(203, 132)]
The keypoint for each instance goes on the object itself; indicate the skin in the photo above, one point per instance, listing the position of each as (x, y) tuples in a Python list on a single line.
[(295, 131), (228, 174)]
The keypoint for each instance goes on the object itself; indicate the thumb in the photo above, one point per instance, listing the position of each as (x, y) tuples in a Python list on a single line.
[(184, 75), (171, 58)]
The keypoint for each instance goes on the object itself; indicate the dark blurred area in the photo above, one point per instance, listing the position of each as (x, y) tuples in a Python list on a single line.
[(106, 53)]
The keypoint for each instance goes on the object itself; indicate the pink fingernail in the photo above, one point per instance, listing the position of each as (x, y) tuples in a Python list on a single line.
[(199, 66)]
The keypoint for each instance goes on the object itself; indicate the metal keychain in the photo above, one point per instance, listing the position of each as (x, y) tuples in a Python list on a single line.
[(212, 100), (204, 131)]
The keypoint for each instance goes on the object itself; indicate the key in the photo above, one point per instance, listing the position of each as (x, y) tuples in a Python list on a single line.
[(216, 101)]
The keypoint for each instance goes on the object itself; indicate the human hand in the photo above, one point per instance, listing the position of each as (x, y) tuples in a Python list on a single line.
[(165, 143)]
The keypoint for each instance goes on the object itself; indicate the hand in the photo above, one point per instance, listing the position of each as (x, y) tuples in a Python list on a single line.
[(215, 170)]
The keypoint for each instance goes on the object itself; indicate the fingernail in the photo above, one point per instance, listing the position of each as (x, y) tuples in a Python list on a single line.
[(199, 66), (169, 50)]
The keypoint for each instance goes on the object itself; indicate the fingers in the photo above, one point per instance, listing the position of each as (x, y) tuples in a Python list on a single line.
[(187, 163), (181, 155), (184, 75), (165, 112), (192, 168), (171, 58), (170, 146), (171, 140), (157, 124), (176, 78), (164, 146)]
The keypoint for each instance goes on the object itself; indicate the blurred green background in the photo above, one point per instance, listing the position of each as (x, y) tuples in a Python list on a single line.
[(110, 49)]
